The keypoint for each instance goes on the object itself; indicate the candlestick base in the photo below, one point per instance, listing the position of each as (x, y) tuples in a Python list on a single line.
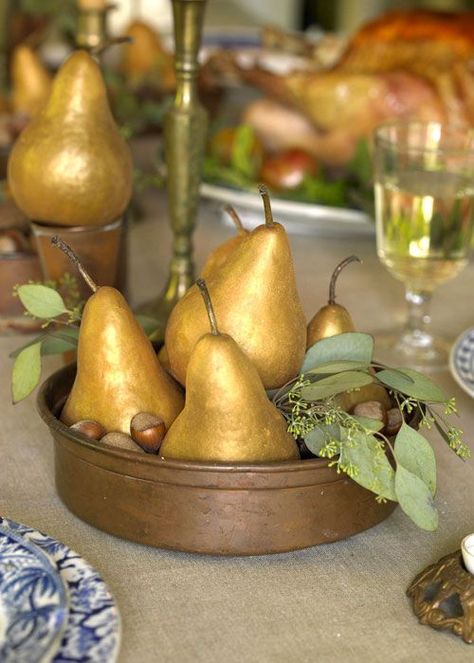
[(443, 596)]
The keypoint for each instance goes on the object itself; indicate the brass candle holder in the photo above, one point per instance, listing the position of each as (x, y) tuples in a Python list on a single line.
[(185, 129), (443, 596), (92, 30)]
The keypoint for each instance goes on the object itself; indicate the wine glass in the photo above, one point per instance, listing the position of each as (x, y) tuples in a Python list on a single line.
[(424, 209)]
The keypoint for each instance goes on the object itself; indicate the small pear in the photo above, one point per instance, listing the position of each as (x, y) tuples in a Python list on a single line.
[(333, 318), (220, 254), (227, 417), (256, 300), (118, 372), (145, 60), (31, 82), (71, 166)]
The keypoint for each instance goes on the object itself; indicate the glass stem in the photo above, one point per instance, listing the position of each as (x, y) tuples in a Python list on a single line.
[(418, 319)]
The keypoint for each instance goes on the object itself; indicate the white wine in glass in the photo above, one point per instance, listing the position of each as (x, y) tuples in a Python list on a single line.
[(424, 201)]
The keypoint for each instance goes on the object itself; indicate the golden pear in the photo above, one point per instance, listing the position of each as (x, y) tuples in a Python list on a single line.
[(145, 59), (118, 373), (227, 417), (257, 303), (31, 82), (71, 166), (333, 318), (220, 254)]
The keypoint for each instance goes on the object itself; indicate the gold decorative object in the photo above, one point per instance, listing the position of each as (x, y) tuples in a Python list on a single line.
[(92, 31), (185, 131), (443, 596)]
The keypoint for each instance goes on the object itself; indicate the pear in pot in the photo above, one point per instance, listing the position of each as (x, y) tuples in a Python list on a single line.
[(256, 302), (118, 372), (333, 319), (222, 252), (227, 417), (71, 166), (31, 82)]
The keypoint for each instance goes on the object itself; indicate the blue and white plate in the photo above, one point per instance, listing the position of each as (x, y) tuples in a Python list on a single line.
[(92, 630), (461, 361), (33, 602)]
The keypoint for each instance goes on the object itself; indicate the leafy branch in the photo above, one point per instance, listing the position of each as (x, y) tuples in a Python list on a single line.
[(403, 469)]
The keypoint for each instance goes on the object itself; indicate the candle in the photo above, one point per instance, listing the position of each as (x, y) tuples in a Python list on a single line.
[(467, 549)]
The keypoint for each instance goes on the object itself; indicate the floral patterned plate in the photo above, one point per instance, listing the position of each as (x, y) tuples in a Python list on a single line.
[(33, 602), (92, 630)]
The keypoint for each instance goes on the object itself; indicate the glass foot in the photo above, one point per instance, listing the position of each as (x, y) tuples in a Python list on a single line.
[(417, 350)]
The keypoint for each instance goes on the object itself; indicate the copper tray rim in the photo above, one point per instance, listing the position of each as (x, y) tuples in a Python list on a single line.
[(96, 446)]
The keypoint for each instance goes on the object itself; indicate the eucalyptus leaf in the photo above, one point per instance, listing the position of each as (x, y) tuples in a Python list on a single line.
[(149, 325), (373, 425), (26, 372), (316, 439), (335, 384), (41, 301), (351, 346), (374, 471), (415, 499), (59, 342), (411, 383), (338, 367), (415, 454)]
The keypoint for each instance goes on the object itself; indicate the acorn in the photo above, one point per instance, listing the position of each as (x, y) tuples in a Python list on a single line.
[(121, 441), (148, 431), (333, 318), (90, 428)]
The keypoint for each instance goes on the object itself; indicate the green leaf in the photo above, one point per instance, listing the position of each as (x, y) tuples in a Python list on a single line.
[(415, 454), (150, 325), (54, 342), (374, 471), (316, 439), (372, 424), (58, 342), (351, 346), (335, 384), (338, 367), (41, 301), (26, 372), (415, 499), (243, 156), (411, 383)]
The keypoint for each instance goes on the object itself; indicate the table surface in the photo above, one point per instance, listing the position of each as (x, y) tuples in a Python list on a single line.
[(338, 602)]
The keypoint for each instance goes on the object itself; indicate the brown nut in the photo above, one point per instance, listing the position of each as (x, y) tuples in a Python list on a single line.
[(148, 431), (121, 441), (12, 241), (394, 421), (371, 410), (89, 428)]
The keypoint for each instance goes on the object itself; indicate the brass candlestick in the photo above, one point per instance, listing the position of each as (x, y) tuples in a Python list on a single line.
[(185, 130)]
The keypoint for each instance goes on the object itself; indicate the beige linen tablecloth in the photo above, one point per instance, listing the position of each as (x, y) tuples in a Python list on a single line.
[(339, 602)]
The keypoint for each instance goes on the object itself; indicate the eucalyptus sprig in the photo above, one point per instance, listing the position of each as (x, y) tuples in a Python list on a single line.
[(58, 306), (402, 470)]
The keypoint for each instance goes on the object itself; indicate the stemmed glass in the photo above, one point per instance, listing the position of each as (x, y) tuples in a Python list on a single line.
[(424, 202)]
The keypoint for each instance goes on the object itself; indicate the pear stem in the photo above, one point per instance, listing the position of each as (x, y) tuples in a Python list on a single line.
[(335, 274), (235, 218), (263, 191), (201, 284), (65, 248)]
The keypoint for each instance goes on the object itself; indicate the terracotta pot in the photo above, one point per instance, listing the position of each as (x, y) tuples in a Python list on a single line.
[(202, 508)]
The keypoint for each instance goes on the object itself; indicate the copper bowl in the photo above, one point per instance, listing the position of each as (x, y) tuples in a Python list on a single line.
[(202, 508)]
